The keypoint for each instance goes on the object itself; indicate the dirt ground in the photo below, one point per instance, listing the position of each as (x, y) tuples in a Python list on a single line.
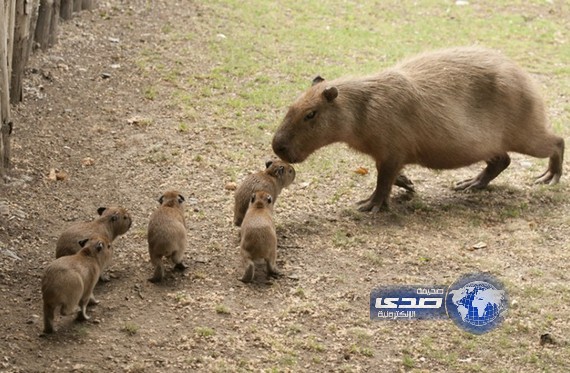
[(88, 112)]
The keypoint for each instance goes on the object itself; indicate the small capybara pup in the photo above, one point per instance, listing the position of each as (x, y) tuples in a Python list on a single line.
[(276, 176), (258, 237), (167, 234), (112, 222), (443, 110), (69, 280)]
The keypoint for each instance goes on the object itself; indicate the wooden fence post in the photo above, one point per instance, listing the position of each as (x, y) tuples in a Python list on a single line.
[(66, 9), (22, 39), (5, 122), (43, 26)]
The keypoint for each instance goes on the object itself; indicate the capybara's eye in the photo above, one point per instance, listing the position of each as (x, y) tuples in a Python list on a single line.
[(311, 115)]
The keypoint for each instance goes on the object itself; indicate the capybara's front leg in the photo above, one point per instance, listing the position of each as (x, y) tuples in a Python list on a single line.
[(378, 201)]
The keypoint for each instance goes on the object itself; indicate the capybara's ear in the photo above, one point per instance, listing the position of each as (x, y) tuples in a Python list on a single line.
[(330, 93), (252, 197), (180, 199), (269, 199), (101, 210), (317, 80), (99, 246), (161, 199), (280, 171), (115, 217), (83, 242), (268, 163)]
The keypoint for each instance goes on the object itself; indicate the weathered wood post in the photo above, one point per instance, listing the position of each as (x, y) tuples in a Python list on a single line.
[(43, 26), (54, 24), (77, 4), (66, 9), (88, 4), (21, 53), (5, 123)]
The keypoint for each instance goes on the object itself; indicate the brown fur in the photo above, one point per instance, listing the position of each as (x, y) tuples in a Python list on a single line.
[(167, 233), (69, 280), (276, 176), (258, 237), (443, 110), (112, 222)]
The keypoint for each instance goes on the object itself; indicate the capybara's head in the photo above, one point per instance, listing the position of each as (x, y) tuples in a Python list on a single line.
[(117, 218), (261, 200), (96, 247), (280, 170), (171, 198), (309, 123)]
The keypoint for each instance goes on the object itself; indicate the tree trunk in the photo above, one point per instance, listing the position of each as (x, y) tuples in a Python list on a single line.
[(10, 17), (66, 9), (43, 25), (22, 39), (77, 5)]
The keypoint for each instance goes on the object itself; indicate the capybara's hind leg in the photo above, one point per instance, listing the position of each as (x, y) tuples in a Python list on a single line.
[(495, 166), (177, 260), (82, 314), (49, 314), (554, 172), (272, 270), (156, 261)]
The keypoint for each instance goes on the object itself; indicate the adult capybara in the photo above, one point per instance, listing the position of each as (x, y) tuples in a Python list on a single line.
[(443, 110), (258, 237), (167, 234), (69, 280), (276, 176), (111, 223)]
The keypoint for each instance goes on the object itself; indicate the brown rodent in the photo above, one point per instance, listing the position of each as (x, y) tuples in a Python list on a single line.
[(276, 176), (167, 234), (443, 110), (258, 237), (112, 222), (69, 280)]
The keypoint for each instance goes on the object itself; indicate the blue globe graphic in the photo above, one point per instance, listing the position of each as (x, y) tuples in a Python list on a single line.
[(477, 303), (475, 316)]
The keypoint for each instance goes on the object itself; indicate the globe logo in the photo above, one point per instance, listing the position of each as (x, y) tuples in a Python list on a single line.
[(477, 303)]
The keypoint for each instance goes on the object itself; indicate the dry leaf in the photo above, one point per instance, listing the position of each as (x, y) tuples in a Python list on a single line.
[(361, 171)]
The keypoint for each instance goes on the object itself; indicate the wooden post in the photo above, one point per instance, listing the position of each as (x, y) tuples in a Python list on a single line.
[(66, 9), (43, 25), (22, 39), (11, 16), (5, 124), (54, 24), (88, 4), (77, 4)]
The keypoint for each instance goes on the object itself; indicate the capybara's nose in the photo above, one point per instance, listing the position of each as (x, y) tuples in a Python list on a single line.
[(279, 147)]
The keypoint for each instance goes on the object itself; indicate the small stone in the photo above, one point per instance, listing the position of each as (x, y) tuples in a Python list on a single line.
[(231, 186), (88, 161), (461, 2), (478, 246), (105, 75)]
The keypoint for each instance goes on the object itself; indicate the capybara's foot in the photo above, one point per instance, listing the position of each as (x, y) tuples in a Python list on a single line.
[(548, 177), (155, 280), (82, 316), (403, 182), (180, 266), (104, 277), (274, 273), (93, 301), (470, 184), (373, 206)]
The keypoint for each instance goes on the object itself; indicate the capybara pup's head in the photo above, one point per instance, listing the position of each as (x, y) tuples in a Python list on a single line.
[(117, 218), (172, 198), (280, 170)]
